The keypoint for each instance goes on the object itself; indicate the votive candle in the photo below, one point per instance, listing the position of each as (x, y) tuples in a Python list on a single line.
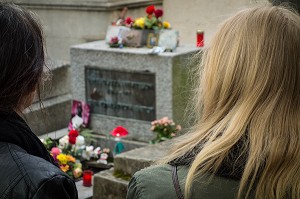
[(87, 178), (200, 38)]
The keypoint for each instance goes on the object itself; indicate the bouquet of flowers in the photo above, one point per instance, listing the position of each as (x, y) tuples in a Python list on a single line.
[(75, 148), (67, 163), (164, 129), (153, 20)]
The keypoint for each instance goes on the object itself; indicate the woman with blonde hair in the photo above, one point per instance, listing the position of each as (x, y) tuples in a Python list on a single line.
[(246, 139)]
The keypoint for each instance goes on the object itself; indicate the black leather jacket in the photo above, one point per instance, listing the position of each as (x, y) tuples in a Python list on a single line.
[(26, 176)]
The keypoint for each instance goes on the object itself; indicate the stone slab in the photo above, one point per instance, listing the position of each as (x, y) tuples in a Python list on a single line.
[(84, 192), (106, 186), (137, 159), (96, 5)]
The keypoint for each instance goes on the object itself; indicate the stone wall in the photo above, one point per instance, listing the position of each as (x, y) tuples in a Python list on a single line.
[(69, 22), (191, 15)]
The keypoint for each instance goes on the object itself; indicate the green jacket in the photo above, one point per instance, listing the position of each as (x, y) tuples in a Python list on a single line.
[(156, 183)]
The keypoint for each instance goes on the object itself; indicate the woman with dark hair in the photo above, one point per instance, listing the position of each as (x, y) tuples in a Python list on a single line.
[(246, 138), (27, 170)]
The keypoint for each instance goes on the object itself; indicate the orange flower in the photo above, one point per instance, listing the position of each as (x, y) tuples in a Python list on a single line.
[(64, 168), (71, 158)]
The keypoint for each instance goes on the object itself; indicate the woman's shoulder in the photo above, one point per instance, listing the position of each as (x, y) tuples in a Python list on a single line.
[(156, 182), (33, 174), (152, 182)]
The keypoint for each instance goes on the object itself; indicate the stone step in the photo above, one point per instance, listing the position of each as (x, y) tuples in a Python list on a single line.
[(110, 142), (137, 159), (58, 82), (55, 115), (106, 186)]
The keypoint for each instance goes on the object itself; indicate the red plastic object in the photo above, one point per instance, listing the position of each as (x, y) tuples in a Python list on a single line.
[(119, 131)]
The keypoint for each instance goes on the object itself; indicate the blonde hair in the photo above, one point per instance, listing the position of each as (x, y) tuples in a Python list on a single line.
[(249, 89)]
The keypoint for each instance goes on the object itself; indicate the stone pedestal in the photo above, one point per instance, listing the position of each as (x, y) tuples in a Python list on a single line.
[(130, 86)]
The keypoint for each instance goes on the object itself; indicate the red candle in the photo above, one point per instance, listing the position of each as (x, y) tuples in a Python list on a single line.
[(200, 38), (87, 178)]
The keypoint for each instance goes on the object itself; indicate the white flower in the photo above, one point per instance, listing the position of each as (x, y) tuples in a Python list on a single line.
[(96, 152), (77, 121), (88, 152), (80, 141), (63, 142)]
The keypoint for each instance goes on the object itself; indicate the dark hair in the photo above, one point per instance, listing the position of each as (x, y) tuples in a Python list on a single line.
[(22, 55), (295, 4)]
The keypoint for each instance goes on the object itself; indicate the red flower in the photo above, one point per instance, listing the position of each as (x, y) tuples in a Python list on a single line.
[(72, 140), (72, 136), (128, 20), (150, 10), (114, 40), (158, 13), (119, 131)]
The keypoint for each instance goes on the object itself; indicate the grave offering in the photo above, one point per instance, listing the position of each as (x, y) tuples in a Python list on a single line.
[(143, 31), (130, 87)]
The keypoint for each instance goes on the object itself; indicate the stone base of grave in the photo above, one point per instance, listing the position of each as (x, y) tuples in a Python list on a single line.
[(107, 186)]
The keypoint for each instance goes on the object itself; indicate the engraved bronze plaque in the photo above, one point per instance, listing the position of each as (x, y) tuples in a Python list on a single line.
[(121, 93)]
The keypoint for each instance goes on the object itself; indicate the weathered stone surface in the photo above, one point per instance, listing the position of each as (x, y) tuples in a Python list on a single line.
[(106, 186), (55, 115), (84, 192), (59, 83), (170, 71), (137, 159)]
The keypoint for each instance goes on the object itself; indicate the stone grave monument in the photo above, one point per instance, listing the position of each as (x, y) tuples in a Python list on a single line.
[(130, 87)]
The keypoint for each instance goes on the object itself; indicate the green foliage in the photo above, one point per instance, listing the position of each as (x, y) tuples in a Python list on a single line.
[(88, 135)]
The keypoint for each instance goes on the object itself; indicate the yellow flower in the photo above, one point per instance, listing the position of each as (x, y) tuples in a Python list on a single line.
[(70, 158), (64, 168), (166, 25), (140, 23), (62, 158)]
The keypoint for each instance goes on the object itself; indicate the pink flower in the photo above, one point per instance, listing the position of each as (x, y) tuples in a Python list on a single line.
[(55, 151), (158, 13)]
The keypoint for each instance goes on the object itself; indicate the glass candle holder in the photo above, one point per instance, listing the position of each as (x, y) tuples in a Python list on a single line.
[(200, 38), (87, 178)]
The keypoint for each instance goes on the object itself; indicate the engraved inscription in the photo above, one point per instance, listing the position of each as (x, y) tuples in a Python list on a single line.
[(121, 93)]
